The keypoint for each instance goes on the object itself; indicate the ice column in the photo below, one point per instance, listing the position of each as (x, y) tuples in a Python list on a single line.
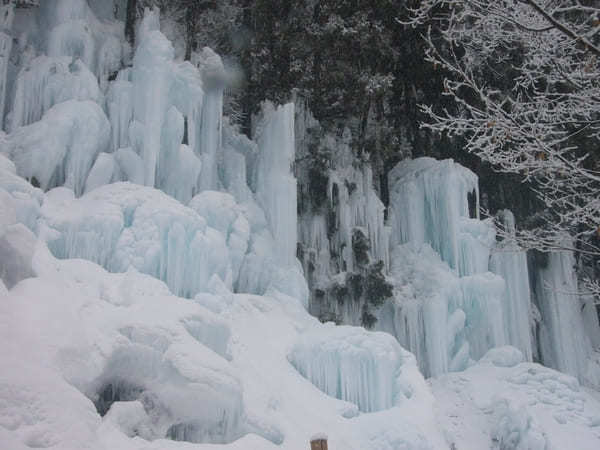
[(563, 343), (150, 77), (6, 19), (213, 77), (275, 184), (510, 262)]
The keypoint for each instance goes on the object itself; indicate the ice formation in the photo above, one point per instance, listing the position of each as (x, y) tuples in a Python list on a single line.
[(124, 225), (156, 264), (510, 262), (60, 149), (339, 204), (353, 365), (275, 185), (562, 337), (6, 42), (429, 204), (448, 307), (47, 81)]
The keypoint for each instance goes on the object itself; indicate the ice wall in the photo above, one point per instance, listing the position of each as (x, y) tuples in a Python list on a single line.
[(448, 308), (122, 225), (72, 29), (46, 81), (151, 78), (429, 203), (561, 336)]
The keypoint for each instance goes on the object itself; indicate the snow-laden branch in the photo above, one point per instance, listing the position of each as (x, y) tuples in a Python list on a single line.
[(524, 77)]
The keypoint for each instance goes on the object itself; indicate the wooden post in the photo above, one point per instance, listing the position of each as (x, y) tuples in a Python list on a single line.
[(318, 444)]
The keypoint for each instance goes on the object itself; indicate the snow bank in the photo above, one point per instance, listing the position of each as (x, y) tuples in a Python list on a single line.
[(512, 405), (118, 362)]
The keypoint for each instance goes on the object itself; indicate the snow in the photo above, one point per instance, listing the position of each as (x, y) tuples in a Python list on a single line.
[(121, 345), (500, 403)]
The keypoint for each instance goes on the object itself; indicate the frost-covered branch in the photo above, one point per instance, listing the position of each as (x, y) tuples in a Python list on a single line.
[(524, 77)]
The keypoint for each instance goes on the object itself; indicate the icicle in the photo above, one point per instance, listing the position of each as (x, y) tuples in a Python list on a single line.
[(276, 186), (6, 19)]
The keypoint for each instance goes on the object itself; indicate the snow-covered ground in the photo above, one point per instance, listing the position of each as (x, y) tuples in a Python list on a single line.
[(500, 403), (100, 360)]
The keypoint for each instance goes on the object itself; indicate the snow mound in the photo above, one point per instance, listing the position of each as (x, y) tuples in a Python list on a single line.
[(506, 356), (516, 406), (118, 362)]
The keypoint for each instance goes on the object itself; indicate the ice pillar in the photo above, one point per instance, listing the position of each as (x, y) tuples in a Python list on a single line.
[(211, 128), (510, 262), (562, 340), (275, 183), (151, 82), (6, 19)]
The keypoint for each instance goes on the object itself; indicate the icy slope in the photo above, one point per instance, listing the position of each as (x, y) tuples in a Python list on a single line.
[(100, 360)]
